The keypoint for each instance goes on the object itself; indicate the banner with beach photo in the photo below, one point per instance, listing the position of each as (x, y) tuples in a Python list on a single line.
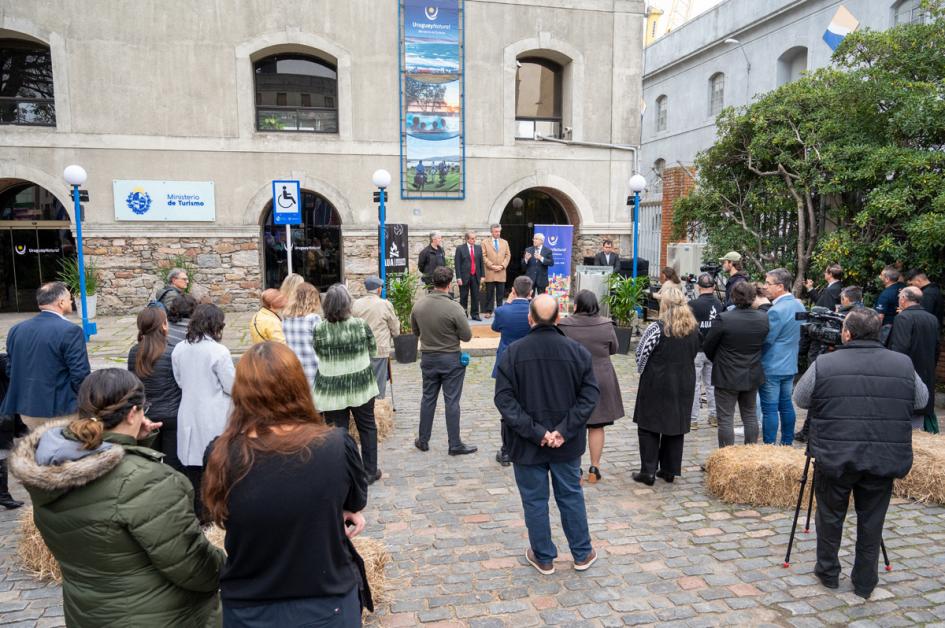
[(559, 238), (431, 83)]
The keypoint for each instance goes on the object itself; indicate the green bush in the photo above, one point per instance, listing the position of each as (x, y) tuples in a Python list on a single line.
[(625, 296), (69, 275), (401, 290)]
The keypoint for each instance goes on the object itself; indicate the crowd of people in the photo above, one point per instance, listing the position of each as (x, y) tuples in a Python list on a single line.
[(124, 466)]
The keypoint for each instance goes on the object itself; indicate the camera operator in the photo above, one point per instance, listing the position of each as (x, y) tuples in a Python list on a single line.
[(861, 398), (829, 298), (732, 265), (706, 309)]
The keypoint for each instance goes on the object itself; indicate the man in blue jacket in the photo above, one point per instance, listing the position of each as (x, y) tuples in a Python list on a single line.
[(545, 391), (47, 361), (779, 358), (887, 303), (511, 321)]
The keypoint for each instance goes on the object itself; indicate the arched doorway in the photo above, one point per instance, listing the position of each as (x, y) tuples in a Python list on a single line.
[(35, 235), (539, 206), (316, 244)]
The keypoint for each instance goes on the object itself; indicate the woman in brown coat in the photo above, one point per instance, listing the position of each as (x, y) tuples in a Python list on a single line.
[(596, 334)]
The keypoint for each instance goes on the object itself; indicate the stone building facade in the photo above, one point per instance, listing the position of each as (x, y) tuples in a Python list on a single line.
[(140, 94)]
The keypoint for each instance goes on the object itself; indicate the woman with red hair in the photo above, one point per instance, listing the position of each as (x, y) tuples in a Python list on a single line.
[(288, 489)]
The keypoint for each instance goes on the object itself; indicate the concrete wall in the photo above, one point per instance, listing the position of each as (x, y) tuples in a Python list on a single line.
[(164, 90), (679, 65)]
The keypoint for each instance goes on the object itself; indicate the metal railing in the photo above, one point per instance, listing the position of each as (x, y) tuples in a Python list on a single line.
[(27, 111), (651, 226)]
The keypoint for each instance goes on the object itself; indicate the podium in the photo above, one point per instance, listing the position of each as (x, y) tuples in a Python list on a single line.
[(595, 279)]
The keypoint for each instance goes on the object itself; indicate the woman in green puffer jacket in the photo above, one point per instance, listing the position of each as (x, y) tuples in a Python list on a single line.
[(119, 521)]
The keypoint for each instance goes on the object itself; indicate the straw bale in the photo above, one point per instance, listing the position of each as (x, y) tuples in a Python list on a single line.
[(32, 552), (383, 416), (926, 481), (760, 475)]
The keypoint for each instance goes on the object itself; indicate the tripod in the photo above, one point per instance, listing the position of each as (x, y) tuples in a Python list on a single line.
[(810, 506)]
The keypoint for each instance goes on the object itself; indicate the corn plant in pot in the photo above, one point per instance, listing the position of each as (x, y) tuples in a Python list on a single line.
[(69, 275), (401, 292), (625, 299)]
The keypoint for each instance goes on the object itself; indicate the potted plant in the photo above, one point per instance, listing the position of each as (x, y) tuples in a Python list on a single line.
[(401, 290), (625, 297), (69, 275)]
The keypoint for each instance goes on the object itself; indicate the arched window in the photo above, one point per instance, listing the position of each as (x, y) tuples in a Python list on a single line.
[(908, 12), (296, 92), (26, 84), (657, 185), (662, 110), (716, 93), (538, 94), (792, 64)]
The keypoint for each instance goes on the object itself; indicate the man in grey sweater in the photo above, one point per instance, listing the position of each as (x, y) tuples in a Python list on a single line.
[(441, 325)]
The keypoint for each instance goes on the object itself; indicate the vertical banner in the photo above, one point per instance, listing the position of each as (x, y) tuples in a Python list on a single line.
[(559, 238), (396, 254), (432, 141)]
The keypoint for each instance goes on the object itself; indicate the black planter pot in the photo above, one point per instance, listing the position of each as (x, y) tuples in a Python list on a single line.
[(623, 339), (405, 348)]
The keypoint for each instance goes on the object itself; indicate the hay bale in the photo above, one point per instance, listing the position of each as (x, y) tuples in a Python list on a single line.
[(926, 481), (383, 416), (373, 552), (760, 475), (32, 553)]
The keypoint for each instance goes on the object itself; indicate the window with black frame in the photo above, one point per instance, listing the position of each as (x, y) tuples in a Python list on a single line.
[(26, 84), (538, 94), (296, 93)]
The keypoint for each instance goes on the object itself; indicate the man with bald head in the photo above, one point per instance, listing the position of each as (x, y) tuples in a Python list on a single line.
[(915, 333), (545, 391)]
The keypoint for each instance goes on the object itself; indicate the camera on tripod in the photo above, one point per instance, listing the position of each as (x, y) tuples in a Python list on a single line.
[(713, 268), (822, 325)]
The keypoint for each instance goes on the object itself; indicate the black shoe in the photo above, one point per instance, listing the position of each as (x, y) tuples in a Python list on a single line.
[(827, 582), (476, 318), (502, 458), (7, 501), (666, 475), (593, 475), (462, 450), (374, 478), (422, 445), (800, 437), (644, 478), (863, 594)]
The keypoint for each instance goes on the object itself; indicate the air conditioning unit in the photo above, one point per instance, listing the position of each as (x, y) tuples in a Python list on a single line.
[(685, 257)]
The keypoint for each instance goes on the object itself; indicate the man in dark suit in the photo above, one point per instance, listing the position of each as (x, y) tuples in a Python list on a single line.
[(915, 333), (932, 301), (607, 257), (511, 321), (469, 271), (537, 260), (828, 297), (47, 361)]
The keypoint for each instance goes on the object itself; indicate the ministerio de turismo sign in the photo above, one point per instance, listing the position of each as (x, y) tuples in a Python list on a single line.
[(164, 200)]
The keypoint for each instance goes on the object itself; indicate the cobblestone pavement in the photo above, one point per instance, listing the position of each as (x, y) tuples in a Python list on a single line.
[(669, 555)]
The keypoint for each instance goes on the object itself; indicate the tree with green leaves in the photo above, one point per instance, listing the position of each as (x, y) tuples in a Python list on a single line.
[(843, 165)]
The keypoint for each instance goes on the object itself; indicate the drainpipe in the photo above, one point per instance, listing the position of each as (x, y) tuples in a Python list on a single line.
[(634, 149)]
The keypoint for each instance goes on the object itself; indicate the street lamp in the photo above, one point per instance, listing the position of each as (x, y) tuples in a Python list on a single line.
[(381, 179), (637, 184), (75, 176)]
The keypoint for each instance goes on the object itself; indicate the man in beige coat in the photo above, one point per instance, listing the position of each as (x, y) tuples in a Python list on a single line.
[(496, 255), (379, 314)]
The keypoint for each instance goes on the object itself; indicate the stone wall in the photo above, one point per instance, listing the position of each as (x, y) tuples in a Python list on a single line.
[(229, 268)]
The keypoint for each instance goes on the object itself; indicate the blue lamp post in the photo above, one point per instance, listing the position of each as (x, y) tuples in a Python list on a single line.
[(637, 184), (76, 176), (381, 180)]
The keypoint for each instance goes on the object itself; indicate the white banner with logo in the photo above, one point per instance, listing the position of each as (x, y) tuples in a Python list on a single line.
[(164, 200)]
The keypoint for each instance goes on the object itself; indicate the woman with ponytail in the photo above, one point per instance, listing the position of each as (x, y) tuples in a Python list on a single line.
[(120, 523), (288, 490), (150, 360)]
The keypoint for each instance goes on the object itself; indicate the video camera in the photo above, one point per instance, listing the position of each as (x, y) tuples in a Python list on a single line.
[(822, 325), (713, 268)]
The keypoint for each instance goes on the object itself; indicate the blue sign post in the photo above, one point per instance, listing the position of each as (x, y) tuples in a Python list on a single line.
[(287, 210)]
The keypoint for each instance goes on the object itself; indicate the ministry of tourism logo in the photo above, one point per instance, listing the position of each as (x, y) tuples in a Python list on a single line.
[(138, 201), (21, 249), (432, 13)]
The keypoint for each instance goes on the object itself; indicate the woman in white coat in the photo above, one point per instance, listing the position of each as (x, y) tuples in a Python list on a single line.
[(203, 368)]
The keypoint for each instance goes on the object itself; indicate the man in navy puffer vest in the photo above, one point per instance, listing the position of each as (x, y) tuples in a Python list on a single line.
[(860, 398)]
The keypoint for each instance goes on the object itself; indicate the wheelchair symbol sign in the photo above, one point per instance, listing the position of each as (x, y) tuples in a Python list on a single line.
[(285, 202)]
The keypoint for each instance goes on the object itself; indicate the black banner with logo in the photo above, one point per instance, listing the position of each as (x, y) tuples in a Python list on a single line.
[(396, 244)]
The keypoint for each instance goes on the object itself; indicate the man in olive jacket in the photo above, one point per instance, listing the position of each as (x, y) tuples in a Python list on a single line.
[(861, 397), (121, 525), (545, 391)]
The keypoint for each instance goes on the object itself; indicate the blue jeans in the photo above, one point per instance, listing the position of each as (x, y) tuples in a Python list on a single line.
[(532, 480), (775, 400)]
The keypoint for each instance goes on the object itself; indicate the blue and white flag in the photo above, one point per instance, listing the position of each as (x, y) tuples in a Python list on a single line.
[(842, 24)]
